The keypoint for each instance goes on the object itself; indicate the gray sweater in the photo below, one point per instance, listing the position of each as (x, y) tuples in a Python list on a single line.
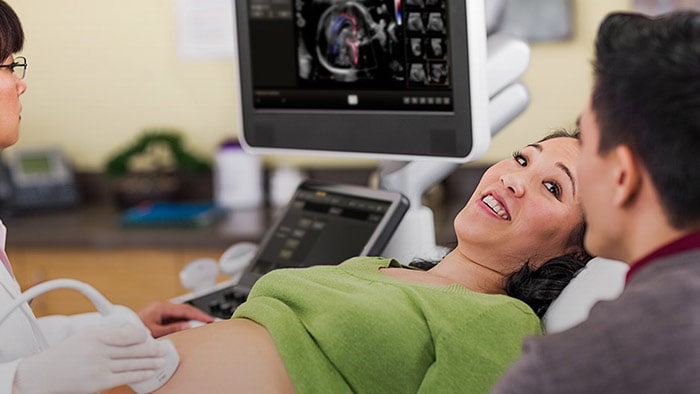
[(646, 341)]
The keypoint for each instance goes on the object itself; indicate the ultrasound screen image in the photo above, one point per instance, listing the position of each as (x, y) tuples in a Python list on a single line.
[(366, 42), (359, 54)]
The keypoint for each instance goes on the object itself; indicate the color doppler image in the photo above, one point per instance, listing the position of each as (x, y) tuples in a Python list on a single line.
[(371, 43)]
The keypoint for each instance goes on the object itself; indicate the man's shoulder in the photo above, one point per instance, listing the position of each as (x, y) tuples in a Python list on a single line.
[(662, 290), (670, 268), (670, 282)]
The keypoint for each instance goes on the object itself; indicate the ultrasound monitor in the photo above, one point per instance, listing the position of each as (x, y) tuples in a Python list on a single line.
[(389, 79)]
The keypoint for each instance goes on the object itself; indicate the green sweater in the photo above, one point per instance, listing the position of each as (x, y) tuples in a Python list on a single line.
[(351, 328)]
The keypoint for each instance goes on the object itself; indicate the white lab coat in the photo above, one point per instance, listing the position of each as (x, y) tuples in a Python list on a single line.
[(21, 334)]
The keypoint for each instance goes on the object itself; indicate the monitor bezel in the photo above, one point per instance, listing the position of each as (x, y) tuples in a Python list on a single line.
[(459, 136)]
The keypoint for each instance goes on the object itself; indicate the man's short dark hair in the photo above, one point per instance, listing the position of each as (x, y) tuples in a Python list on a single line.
[(647, 96)]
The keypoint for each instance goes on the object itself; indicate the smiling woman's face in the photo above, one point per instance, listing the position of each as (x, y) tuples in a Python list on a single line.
[(524, 209)]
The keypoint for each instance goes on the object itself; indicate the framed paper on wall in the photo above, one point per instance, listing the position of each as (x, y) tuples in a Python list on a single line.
[(538, 20), (655, 7)]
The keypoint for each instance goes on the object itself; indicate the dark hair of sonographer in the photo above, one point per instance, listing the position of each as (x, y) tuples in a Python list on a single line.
[(11, 32)]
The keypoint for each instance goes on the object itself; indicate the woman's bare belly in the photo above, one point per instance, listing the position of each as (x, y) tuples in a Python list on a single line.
[(230, 356)]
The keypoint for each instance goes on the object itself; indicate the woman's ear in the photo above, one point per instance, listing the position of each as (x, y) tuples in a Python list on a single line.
[(627, 175)]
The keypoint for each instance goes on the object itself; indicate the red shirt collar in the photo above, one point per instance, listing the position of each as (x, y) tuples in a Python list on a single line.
[(688, 242)]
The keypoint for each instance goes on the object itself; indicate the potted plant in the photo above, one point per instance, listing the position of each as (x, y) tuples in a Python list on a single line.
[(152, 168)]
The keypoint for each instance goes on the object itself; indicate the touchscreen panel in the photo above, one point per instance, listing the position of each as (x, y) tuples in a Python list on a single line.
[(321, 227)]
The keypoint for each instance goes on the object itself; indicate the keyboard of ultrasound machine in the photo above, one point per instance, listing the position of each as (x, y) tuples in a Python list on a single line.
[(221, 303)]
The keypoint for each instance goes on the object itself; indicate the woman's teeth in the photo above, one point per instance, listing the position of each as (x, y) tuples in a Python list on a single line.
[(495, 206)]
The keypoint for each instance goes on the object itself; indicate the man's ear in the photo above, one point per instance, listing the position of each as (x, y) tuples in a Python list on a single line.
[(628, 176)]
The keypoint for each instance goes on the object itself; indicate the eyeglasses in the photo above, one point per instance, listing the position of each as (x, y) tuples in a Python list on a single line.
[(18, 67)]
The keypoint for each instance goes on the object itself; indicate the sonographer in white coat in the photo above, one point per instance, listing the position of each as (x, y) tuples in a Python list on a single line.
[(79, 356), (92, 359)]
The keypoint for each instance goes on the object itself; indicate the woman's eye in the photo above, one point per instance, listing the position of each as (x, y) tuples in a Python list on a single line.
[(553, 188), (520, 159)]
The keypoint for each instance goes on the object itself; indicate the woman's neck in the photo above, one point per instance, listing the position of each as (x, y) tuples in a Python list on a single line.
[(458, 268)]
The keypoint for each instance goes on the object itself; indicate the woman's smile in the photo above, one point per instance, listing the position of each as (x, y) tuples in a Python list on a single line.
[(496, 206)]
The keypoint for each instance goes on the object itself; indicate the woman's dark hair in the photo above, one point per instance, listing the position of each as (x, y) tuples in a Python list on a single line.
[(539, 287), (11, 33)]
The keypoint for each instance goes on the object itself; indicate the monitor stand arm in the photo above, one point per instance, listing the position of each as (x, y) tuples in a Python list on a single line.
[(415, 235)]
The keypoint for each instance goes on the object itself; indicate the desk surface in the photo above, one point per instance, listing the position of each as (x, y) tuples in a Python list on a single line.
[(97, 226)]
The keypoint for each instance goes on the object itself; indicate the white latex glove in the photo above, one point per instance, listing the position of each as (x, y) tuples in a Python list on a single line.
[(94, 359)]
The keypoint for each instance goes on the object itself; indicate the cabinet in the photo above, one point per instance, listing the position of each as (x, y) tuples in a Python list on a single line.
[(130, 277)]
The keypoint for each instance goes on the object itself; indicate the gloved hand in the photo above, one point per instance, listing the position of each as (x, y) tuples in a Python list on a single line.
[(94, 359)]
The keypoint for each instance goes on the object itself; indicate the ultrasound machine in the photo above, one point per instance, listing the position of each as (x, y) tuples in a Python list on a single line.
[(418, 84)]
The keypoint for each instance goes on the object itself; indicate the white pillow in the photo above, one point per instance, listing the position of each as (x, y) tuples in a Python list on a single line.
[(601, 279)]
